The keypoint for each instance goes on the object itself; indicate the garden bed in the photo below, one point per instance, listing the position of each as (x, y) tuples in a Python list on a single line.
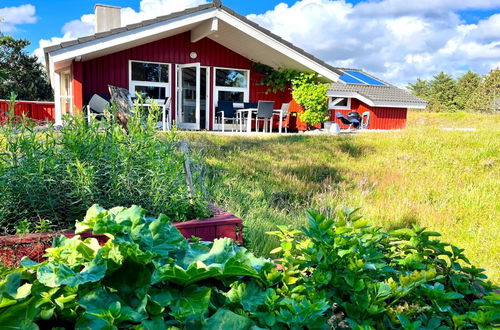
[(221, 224)]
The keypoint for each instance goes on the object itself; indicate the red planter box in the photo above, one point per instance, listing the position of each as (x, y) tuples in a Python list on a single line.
[(221, 224)]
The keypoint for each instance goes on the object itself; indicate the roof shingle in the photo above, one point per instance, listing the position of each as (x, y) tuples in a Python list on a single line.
[(387, 93)]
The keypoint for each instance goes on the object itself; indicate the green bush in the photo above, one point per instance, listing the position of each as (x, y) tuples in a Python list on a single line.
[(338, 273), (312, 96), (57, 174)]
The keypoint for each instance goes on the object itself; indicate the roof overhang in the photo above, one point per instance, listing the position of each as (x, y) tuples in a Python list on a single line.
[(377, 103), (217, 23)]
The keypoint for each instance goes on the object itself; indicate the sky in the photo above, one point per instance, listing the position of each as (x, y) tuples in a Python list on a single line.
[(396, 40)]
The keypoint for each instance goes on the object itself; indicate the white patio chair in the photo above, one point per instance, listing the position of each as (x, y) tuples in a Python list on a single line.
[(96, 105)]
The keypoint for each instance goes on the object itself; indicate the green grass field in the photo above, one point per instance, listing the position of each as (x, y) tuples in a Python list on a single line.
[(448, 181)]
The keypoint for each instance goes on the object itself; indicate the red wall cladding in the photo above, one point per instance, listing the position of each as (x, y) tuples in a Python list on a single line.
[(41, 111), (113, 69), (380, 117)]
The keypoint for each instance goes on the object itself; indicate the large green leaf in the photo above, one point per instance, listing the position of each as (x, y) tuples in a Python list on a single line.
[(192, 300), (225, 319), (19, 316), (54, 274)]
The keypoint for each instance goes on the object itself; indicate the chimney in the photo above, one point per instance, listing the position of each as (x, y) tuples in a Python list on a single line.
[(107, 18)]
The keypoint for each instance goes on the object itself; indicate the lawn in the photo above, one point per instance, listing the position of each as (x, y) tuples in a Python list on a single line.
[(448, 181)]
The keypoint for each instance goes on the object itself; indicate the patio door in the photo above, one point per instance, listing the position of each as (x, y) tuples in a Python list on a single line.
[(188, 96)]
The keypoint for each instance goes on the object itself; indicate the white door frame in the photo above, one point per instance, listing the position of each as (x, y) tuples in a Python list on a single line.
[(180, 124)]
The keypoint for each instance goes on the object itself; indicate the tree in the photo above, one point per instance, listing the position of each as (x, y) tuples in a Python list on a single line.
[(21, 73), (467, 85), (443, 93), (421, 88), (487, 96)]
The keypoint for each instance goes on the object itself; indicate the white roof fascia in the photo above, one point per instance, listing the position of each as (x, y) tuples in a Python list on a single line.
[(285, 50), (389, 104), (351, 94), (128, 36)]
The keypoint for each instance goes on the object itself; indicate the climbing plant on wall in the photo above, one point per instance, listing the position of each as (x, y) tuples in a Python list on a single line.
[(306, 90)]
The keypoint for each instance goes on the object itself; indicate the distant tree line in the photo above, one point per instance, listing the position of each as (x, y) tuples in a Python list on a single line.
[(470, 92), (21, 73)]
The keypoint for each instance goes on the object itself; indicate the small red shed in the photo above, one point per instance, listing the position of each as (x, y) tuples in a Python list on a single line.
[(197, 57)]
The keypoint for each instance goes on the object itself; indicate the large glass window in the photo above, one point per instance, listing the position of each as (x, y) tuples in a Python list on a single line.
[(231, 85), (150, 80)]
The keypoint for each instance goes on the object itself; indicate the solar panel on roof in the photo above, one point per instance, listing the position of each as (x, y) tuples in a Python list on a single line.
[(350, 80), (364, 78)]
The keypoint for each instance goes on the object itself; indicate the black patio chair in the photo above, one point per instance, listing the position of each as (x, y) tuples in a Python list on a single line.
[(226, 112), (351, 122)]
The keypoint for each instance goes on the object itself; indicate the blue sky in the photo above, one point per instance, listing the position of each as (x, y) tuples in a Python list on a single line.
[(398, 40)]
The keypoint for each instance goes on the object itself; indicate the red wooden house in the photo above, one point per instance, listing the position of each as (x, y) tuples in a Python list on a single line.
[(198, 57)]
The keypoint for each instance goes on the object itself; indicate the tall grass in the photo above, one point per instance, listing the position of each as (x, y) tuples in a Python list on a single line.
[(56, 175), (448, 181)]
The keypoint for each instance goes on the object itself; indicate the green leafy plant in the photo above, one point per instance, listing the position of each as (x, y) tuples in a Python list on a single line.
[(402, 279), (337, 273), (146, 276), (276, 80), (306, 90), (313, 98), (57, 174)]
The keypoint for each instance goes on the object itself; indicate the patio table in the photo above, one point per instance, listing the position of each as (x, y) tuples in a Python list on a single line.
[(249, 112)]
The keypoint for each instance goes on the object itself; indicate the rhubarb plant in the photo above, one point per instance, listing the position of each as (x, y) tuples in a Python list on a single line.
[(337, 273)]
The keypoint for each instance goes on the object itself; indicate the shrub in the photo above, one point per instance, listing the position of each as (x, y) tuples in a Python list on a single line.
[(401, 279), (311, 95), (337, 273), (56, 175)]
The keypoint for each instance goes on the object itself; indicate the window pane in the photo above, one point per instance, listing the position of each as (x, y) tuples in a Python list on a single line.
[(163, 73), (231, 96), (342, 103), (231, 78), (145, 71), (157, 93)]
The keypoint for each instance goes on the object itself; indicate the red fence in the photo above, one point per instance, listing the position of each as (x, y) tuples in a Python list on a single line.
[(37, 110)]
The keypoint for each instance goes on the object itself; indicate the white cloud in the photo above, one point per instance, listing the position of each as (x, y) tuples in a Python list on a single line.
[(12, 16), (397, 40)]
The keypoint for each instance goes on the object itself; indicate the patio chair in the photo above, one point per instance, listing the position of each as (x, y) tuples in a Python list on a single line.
[(283, 114), (226, 112), (351, 122), (264, 113), (96, 105), (365, 120)]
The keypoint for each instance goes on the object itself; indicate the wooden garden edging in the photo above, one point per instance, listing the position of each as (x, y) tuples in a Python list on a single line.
[(221, 224)]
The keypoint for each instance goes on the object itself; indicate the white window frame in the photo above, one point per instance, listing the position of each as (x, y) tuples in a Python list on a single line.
[(216, 89), (69, 97), (334, 100), (245, 90), (133, 83)]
